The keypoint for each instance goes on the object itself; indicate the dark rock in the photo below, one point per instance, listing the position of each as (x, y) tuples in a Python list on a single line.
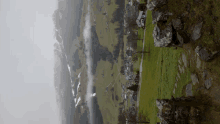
[(203, 53), (112, 89), (160, 15), (156, 4), (182, 37), (194, 79), (134, 96), (133, 87), (178, 110), (142, 7), (208, 83), (162, 38), (197, 31), (204, 74), (177, 24), (189, 90), (129, 52), (116, 97)]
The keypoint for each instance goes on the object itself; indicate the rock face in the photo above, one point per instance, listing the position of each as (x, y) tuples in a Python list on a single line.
[(172, 34), (208, 83), (184, 60), (160, 15), (162, 38), (189, 90), (204, 54), (166, 34), (197, 31), (182, 37), (177, 110), (155, 4), (194, 79), (177, 24)]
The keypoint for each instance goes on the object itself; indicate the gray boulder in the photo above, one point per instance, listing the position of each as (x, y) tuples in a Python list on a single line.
[(159, 104), (204, 54), (184, 60), (208, 83), (197, 31), (194, 79), (162, 38), (156, 4), (177, 24), (189, 90)]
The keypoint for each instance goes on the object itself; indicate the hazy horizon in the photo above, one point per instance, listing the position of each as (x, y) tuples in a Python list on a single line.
[(26, 36)]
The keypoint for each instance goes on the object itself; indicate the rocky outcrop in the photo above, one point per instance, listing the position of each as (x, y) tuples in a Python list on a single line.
[(167, 34), (177, 24), (178, 110), (189, 90), (156, 4), (194, 79), (204, 54), (197, 31), (162, 38), (160, 15)]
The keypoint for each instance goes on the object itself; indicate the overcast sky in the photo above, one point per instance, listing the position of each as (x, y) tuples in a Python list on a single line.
[(27, 94)]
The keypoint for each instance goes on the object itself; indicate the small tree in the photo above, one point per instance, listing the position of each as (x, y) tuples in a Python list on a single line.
[(133, 87)]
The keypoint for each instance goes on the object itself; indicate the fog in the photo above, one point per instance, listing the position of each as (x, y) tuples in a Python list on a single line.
[(27, 94)]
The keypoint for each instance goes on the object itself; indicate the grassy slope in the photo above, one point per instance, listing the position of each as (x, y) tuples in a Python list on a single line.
[(108, 38), (158, 76)]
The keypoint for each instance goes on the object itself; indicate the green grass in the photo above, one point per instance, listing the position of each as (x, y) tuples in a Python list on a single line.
[(137, 63), (158, 76)]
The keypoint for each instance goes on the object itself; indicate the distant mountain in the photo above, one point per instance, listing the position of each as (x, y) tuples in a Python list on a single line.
[(67, 27)]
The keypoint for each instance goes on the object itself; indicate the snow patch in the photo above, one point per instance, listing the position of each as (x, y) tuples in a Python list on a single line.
[(78, 101)]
